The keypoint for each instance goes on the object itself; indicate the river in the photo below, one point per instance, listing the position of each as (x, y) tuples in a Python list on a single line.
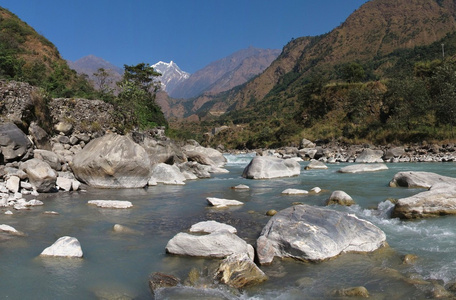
[(120, 264)]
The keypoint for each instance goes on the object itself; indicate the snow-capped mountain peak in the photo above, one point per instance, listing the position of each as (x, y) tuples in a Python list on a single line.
[(172, 75)]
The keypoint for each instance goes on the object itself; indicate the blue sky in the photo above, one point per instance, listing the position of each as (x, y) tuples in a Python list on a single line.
[(192, 33)]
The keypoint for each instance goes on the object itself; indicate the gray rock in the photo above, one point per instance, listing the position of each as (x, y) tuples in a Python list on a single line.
[(163, 151), (241, 187), (211, 226), (112, 161), (42, 177), (305, 143), (238, 271), (214, 155), (439, 200), (63, 127), (199, 170), (316, 164), (167, 174), (341, 198), (160, 280), (63, 139), (13, 184), (15, 172), (294, 192), (312, 233), (362, 168), (395, 152), (111, 203), (370, 156), (64, 247), (64, 183), (10, 230), (14, 144), (74, 140), (265, 167), (40, 137), (53, 159), (221, 203), (419, 179), (217, 244)]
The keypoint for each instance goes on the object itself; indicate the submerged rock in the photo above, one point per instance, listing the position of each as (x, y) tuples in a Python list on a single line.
[(362, 168), (266, 167), (358, 291), (316, 165), (241, 187), (112, 161), (312, 233), (294, 192), (160, 280), (238, 271), (218, 244), (111, 203), (65, 247), (221, 203)]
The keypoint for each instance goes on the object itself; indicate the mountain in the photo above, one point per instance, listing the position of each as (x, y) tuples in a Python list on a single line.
[(172, 76), (226, 73), (90, 64), (374, 31)]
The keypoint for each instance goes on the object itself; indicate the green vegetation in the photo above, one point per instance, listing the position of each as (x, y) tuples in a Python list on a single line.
[(29, 57), (136, 100), (412, 99)]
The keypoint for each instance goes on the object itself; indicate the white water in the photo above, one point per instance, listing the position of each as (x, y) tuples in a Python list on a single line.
[(119, 262)]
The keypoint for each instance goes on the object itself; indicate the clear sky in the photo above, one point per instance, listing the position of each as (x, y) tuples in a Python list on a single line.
[(192, 33)]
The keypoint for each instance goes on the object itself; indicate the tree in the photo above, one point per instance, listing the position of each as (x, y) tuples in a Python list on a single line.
[(443, 91), (136, 99), (353, 72)]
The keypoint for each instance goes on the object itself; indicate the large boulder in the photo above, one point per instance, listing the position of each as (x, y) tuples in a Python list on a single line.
[(218, 244), (310, 233), (162, 151), (439, 200), (14, 144), (370, 156), (419, 179), (266, 167), (42, 177), (53, 159), (395, 152), (215, 156), (362, 168), (167, 174), (40, 137), (112, 161)]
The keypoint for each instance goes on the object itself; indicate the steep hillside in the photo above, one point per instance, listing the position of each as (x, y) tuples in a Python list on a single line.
[(226, 73), (375, 30), (28, 56)]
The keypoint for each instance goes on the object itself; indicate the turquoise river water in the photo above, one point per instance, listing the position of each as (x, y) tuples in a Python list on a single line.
[(119, 264)]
